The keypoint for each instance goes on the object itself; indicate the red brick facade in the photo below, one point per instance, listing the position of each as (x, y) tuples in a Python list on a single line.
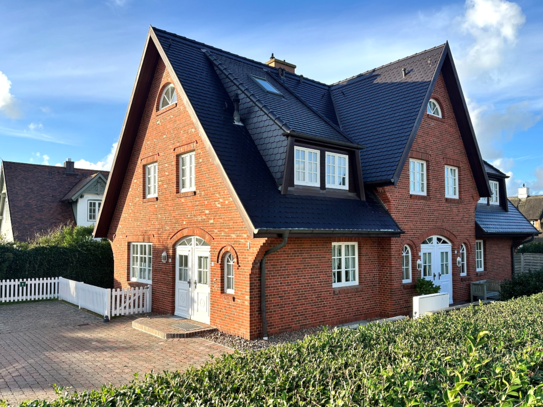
[(299, 286)]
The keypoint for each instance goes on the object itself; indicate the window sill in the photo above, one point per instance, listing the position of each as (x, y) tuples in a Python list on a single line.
[(185, 194), (453, 200), (433, 117), (152, 199), (166, 109), (481, 273), (230, 297), (419, 197)]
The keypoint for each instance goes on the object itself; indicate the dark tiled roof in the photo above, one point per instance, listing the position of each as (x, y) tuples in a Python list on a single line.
[(246, 168), (531, 207), (494, 220), (379, 109), (34, 195), (491, 170)]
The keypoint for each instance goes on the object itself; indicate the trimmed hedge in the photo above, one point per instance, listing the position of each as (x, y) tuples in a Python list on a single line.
[(522, 284), (534, 247), (90, 262), (478, 356)]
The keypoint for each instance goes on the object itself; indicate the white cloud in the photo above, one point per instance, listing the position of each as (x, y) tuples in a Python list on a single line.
[(34, 126), (31, 134), (494, 26), (102, 165), (36, 157), (8, 104), (46, 109)]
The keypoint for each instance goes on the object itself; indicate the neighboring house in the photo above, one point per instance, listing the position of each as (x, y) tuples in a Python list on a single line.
[(531, 206), (261, 201), (36, 198)]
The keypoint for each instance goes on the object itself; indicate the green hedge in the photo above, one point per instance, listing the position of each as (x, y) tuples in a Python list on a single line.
[(534, 247), (522, 284), (90, 262), (478, 356)]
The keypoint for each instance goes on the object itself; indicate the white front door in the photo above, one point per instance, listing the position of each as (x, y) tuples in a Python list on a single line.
[(192, 293), (436, 256)]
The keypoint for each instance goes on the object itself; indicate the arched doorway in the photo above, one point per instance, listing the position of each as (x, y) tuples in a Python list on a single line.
[(192, 279), (436, 252)]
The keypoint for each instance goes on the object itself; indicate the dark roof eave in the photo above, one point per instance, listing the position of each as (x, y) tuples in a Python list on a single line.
[(323, 140), (339, 232)]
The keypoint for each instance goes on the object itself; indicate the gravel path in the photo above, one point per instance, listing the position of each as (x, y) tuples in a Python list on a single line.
[(243, 345)]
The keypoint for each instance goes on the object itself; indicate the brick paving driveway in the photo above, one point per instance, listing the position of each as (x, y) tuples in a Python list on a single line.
[(50, 342)]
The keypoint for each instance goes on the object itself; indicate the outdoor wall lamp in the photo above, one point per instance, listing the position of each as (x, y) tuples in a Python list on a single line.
[(459, 262), (164, 256), (419, 264)]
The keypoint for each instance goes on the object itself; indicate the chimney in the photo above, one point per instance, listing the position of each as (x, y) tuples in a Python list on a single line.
[(69, 165), (277, 63), (523, 192)]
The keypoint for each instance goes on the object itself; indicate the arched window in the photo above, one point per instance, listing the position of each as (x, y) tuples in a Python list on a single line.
[(406, 264), (229, 273), (463, 263), (433, 108), (169, 97)]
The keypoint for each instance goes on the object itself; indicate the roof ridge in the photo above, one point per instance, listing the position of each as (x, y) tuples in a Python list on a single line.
[(50, 166), (388, 64), (243, 88)]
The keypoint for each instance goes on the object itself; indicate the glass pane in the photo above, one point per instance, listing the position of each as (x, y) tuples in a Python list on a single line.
[(427, 264), (203, 270), (183, 272), (444, 262)]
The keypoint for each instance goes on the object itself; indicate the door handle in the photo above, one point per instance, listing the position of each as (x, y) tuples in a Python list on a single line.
[(195, 284), (439, 276), (189, 282), (434, 276)]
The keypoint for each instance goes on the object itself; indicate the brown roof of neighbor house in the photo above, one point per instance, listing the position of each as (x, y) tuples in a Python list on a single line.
[(531, 207), (35, 194)]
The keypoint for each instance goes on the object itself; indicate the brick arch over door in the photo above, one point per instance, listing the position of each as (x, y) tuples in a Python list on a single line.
[(226, 249), (437, 232), (194, 231)]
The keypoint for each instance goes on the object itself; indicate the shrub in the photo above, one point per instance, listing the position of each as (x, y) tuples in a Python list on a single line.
[(522, 284), (534, 247), (64, 252), (425, 287), (488, 355)]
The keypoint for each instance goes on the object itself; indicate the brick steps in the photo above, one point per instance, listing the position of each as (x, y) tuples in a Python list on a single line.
[(167, 327)]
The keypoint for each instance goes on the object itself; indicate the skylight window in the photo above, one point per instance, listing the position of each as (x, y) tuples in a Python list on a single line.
[(268, 87)]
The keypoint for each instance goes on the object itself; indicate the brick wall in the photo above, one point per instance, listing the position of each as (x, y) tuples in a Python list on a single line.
[(164, 221)]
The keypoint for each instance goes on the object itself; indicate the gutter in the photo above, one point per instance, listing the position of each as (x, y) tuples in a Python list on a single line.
[(263, 282)]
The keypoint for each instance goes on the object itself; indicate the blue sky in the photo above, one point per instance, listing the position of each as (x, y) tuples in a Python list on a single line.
[(67, 67)]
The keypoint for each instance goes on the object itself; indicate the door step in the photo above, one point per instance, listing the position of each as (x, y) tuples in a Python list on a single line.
[(166, 327)]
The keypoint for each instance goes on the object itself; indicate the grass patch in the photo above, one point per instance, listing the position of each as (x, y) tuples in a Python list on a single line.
[(476, 356)]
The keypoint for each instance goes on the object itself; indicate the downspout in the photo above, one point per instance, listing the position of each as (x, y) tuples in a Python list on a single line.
[(263, 282), (513, 247)]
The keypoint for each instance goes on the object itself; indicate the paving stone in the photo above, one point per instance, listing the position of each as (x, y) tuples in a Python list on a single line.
[(46, 342)]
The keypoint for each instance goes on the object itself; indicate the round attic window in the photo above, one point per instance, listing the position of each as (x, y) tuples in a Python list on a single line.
[(168, 98), (433, 108)]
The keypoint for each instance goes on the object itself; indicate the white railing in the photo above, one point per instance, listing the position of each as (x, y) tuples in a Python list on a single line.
[(102, 301), (128, 301), (29, 289)]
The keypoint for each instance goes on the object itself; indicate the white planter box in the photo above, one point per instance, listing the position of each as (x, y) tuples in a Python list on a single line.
[(431, 302)]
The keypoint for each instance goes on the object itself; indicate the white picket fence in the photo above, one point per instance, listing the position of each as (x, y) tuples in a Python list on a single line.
[(128, 301), (28, 290), (102, 301)]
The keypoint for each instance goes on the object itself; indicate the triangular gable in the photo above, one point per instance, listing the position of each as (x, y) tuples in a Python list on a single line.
[(94, 184)]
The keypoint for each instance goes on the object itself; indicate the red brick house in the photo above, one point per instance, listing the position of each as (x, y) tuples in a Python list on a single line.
[(260, 201)]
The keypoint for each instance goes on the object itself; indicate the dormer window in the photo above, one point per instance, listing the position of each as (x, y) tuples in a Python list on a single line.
[(168, 98), (306, 167), (268, 87), (433, 108), (337, 174)]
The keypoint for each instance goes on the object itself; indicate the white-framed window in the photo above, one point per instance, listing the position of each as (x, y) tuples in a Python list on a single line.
[(306, 166), (337, 171), (417, 177), (186, 172), (344, 264), (93, 209), (168, 98), (479, 255), (141, 262), (406, 264), (495, 190), (151, 180), (433, 108), (229, 273), (463, 263), (451, 182)]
